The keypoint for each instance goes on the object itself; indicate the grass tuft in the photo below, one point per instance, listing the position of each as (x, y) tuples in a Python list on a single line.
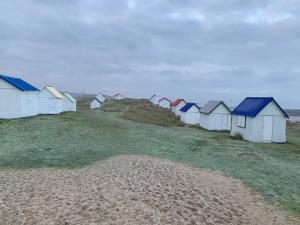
[(236, 136)]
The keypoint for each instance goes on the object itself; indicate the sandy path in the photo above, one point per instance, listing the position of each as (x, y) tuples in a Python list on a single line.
[(131, 190)]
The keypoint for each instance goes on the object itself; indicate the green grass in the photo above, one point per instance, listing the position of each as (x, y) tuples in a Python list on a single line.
[(77, 139)]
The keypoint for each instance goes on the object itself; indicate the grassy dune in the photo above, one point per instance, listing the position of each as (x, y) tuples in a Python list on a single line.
[(142, 111), (77, 139)]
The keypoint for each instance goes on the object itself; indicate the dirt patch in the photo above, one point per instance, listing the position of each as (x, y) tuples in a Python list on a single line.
[(250, 154), (131, 190)]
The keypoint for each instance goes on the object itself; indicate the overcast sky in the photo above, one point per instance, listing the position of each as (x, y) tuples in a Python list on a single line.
[(196, 49)]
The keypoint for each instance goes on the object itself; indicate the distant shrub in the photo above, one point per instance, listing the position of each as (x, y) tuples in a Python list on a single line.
[(250, 154), (237, 136)]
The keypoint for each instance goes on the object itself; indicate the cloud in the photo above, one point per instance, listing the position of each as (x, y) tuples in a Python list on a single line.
[(267, 17), (197, 49)]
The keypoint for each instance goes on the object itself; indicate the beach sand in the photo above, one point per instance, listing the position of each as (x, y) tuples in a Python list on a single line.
[(132, 190)]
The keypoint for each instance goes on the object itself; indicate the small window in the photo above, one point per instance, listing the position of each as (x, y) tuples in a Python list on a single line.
[(238, 122), (241, 121), (28, 99)]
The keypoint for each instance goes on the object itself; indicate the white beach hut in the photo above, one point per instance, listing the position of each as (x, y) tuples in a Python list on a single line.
[(260, 119), (69, 102), (165, 103), (215, 115), (50, 101), (154, 99), (17, 98), (96, 103), (118, 96), (101, 97), (190, 113), (177, 105)]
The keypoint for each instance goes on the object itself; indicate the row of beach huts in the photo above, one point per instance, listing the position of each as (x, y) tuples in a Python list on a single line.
[(98, 101), (19, 98), (256, 119)]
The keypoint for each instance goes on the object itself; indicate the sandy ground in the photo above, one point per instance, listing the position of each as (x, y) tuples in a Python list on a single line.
[(131, 190)]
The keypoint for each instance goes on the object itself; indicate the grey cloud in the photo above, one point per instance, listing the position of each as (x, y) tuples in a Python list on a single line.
[(57, 2)]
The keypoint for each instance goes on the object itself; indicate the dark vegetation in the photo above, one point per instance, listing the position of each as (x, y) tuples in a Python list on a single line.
[(142, 111)]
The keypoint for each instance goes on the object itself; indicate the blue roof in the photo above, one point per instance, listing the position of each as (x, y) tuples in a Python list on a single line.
[(19, 83), (187, 106), (251, 106)]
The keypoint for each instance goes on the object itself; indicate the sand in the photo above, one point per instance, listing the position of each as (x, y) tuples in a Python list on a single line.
[(132, 190)]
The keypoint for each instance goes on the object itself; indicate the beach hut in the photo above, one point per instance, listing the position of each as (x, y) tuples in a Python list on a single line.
[(165, 103), (177, 105), (190, 113), (50, 101), (101, 97), (69, 102), (96, 103), (154, 99), (215, 115), (118, 97), (259, 119), (17, 98)]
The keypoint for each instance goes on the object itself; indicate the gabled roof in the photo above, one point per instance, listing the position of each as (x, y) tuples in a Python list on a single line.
[(118, 94), (19, 83), (70, 97), (164, 99), (251, 106), (54, 92), (96, 99), (177, 102), (153, 96), (211, 106), (188, 106), (100, 94)]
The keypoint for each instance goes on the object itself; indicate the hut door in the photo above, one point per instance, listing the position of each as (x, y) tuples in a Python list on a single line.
[(268, 128), (51, 105), (224, 122)]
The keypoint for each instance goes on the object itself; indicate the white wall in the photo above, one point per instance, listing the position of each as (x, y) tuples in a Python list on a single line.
[(165, 104), (279, 129), (95, 104), (279, 124), (68, 105), (48, 104), (204, 120), (15, 103), (101, 98), (10, 101), (29, 103), (218, 119), (155, 100), (192, 116), (176, 109)]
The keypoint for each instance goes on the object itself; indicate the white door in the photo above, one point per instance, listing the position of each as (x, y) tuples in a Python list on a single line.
[(268, 128), (216, 122), (224, 122), (52, 108)]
